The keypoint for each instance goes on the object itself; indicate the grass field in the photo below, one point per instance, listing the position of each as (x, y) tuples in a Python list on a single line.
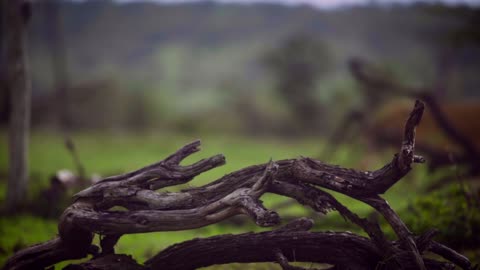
[(114, 153)]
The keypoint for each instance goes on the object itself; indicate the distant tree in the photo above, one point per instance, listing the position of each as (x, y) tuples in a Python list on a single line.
[(456, 49), (15, 15), (296, 66)]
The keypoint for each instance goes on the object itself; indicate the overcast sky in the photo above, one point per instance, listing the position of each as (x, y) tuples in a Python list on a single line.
[(323, 3)]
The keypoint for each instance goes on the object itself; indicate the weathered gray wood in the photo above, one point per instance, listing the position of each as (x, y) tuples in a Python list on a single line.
[(239, 193), (16, 16), (41, 255), (343, 249), (108, 262)]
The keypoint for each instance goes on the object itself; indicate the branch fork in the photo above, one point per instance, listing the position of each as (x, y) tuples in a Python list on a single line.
[(237, 193)]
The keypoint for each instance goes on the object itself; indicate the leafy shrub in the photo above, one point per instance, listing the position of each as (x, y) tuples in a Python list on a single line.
[(455, 212)]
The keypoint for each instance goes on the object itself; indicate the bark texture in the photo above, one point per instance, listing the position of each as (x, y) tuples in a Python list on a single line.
[(239, 193), (16, 16)]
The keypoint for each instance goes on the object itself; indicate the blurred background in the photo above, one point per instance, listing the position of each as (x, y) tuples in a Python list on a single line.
[(117, 85)]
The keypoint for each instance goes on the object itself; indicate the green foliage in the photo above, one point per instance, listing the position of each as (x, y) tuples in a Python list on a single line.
[(451, 212), (296, 65), (114, 153), (21, 231)]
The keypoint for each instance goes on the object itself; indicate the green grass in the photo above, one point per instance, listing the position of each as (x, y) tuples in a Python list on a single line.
[(115, 153)]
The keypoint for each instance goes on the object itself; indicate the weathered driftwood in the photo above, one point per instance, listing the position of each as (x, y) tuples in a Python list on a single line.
[(239, 193)]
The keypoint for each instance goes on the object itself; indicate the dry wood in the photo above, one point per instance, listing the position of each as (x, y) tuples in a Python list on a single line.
[(239, 193), (342, 249), (16, 15)]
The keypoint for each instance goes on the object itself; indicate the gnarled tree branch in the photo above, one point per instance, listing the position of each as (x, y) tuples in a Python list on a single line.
[(149, 210), (262, 247)]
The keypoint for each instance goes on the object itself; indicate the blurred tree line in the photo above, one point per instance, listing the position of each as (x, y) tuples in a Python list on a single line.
[(261, 68), (297, 65)]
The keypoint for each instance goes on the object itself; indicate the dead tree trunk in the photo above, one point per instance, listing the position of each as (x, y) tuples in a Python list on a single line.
[(16, 16), (239, 193)]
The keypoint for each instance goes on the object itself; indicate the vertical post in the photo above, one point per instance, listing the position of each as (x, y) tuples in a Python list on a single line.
[(16, 16)]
